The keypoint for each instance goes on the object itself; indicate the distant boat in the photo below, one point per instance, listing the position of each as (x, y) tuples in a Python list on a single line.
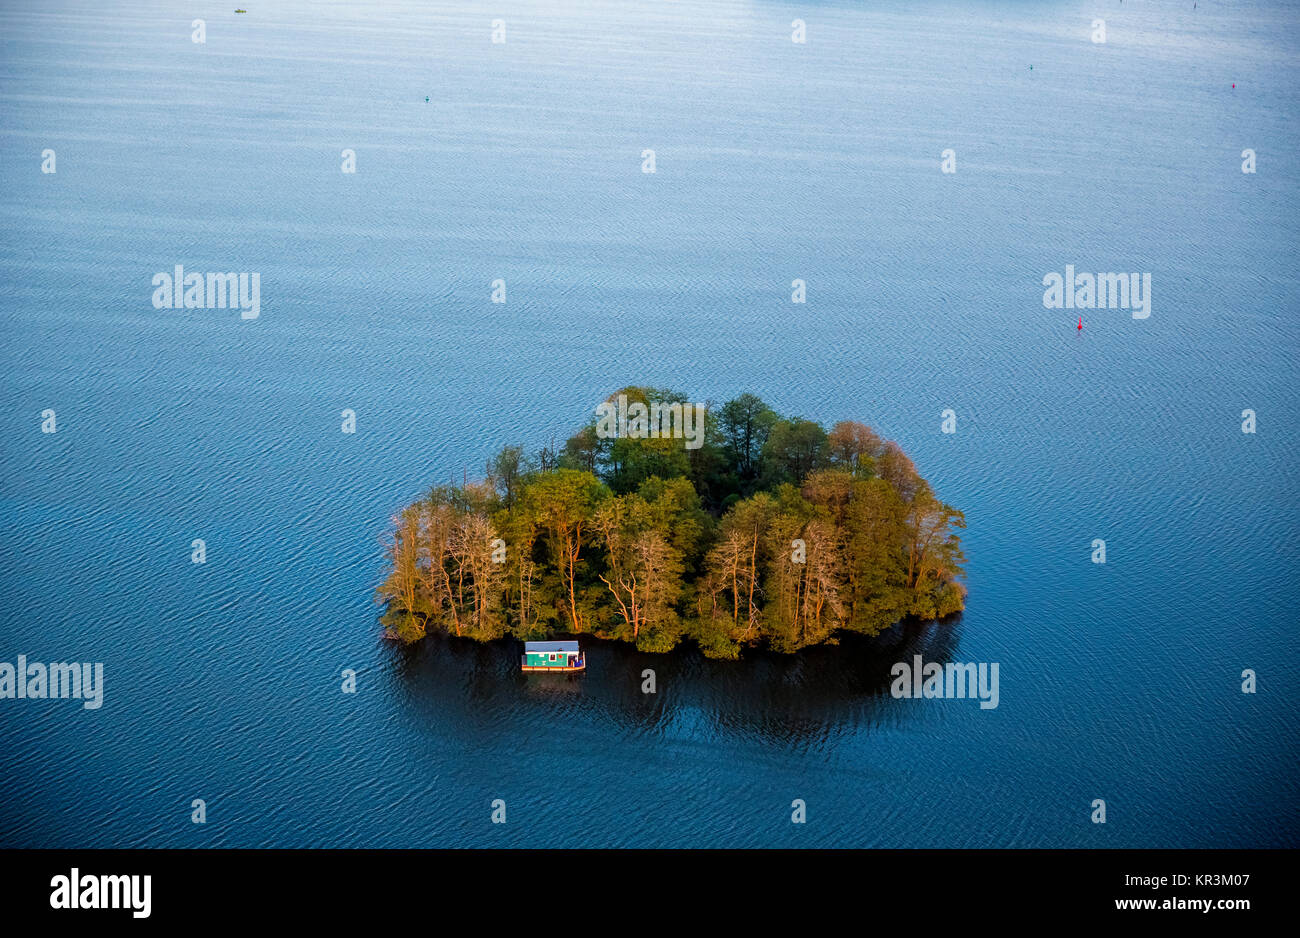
[(241, 11), (553, 656)]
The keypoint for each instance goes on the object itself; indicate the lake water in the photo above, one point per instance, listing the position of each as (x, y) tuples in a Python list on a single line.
[(775, 161)]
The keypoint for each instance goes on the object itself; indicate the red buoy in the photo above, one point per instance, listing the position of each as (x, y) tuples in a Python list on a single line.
[(1080, 323)]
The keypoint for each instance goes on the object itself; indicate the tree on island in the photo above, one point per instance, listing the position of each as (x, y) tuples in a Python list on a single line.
[(772, 532)]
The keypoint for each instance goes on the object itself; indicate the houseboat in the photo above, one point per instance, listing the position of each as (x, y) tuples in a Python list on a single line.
[(553, 656)]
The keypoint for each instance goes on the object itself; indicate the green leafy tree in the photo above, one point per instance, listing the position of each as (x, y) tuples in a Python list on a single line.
[(562, 503), (793, 449), (744, 425)]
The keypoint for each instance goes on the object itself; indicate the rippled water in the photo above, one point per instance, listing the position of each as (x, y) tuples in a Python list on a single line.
[(775, 161)]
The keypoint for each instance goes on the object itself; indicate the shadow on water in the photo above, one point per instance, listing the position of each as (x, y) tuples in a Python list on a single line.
[(781, 698)]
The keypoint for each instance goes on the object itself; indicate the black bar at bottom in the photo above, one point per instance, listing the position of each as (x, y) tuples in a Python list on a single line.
[(377, 888)]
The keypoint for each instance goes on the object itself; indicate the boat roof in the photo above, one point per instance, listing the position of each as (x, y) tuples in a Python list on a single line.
[(550, 646)]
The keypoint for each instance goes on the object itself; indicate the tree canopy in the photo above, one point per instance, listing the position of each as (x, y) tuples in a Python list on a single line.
[(773, 532)]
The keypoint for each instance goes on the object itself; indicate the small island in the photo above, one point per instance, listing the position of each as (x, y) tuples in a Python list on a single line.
[(664, 521)]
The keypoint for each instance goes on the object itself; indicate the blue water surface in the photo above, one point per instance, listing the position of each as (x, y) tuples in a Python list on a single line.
[(775, 161)]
